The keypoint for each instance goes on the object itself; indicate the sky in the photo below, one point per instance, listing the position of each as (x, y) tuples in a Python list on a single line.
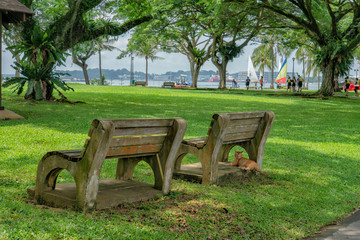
[(171, 62)]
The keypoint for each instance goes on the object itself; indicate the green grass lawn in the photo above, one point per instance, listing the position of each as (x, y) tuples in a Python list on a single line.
[(310, 174)]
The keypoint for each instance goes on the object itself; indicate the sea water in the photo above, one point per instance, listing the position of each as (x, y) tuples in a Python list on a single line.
[(240, 85)]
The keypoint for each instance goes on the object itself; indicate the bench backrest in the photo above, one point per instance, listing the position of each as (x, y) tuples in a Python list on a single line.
[(140, 83), (237, 127), (168, 84), (130, 137)]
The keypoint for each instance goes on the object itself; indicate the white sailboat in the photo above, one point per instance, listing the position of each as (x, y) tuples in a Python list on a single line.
[(251, 71)]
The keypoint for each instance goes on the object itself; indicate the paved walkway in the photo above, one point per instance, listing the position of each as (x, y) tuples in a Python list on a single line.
[(349, 228)]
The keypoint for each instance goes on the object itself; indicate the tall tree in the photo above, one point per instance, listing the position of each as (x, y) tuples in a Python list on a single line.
[(69, 22), (231, 27), (180, 32), (333, 26)]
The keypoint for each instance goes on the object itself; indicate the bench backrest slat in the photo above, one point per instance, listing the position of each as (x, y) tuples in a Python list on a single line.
[(140, 131), (238, 137), (119, 151), (249, 121), (241, 128), (139, 122), (136, 140), (245, 115)]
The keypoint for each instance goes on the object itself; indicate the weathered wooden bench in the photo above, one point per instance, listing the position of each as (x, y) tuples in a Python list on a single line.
[(168, 85), (246, 129), (140, 83), (155, 141)]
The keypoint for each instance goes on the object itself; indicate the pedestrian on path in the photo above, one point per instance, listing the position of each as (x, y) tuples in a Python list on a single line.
[(293, 84), (347, 85), (356, 87), (300, 83), (288, 84), (261, 82), (247, 83)]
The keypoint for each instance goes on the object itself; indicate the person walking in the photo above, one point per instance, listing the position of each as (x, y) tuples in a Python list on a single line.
[(247, 83), (300, 83), (293, 84), (234, 83), (261, 82), (356, 87), (347, 85), (288, 84)]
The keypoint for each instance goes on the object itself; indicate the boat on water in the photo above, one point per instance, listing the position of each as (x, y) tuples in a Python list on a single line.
[(215, 78), (182, 83)]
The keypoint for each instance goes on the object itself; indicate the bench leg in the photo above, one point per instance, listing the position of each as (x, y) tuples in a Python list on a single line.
[(48, 170), (125, 168)]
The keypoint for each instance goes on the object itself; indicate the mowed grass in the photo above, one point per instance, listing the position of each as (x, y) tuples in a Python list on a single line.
[(310, 174)]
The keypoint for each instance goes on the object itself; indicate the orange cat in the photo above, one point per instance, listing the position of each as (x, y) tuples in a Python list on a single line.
[(244, 163)]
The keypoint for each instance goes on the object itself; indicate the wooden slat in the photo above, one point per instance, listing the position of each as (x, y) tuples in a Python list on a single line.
[(141, 122), (239, 136), (137, 140), (242, 128), (195, 142), (141, 131), (241, 122), (71, 155), (246, 115), (133, 150)]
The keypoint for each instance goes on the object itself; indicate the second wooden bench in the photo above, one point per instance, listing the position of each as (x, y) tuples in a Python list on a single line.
[(248, 130)]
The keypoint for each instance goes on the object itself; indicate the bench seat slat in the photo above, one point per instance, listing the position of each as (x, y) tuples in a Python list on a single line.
[(133, 150), (195, 142), (137, 140)]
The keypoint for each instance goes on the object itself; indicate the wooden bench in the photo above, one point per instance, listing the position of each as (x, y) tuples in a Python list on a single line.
[(140, 83), (246, 129), (168, 85), (155, 141)]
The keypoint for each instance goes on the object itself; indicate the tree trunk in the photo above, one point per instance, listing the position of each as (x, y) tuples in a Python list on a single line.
[(86, 75), (100, 71), (17, 72), (222, 75), (195, 70), (272, 68), (81, 63), (147, 68), (46, 91), (222, 72), (328, 84)]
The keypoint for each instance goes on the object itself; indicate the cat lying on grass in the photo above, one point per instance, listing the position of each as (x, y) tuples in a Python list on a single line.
[(244, 163)]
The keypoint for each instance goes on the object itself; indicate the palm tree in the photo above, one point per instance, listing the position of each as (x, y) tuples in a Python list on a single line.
[(103, 43), (148, 51), (261, 58), (142, 46), (265, 55)]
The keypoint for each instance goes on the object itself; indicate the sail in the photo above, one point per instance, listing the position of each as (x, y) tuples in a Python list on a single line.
[(251, 71), (281, 77)]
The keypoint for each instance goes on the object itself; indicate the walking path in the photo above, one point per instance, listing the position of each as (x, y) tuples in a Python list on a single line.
[(349, 228)]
